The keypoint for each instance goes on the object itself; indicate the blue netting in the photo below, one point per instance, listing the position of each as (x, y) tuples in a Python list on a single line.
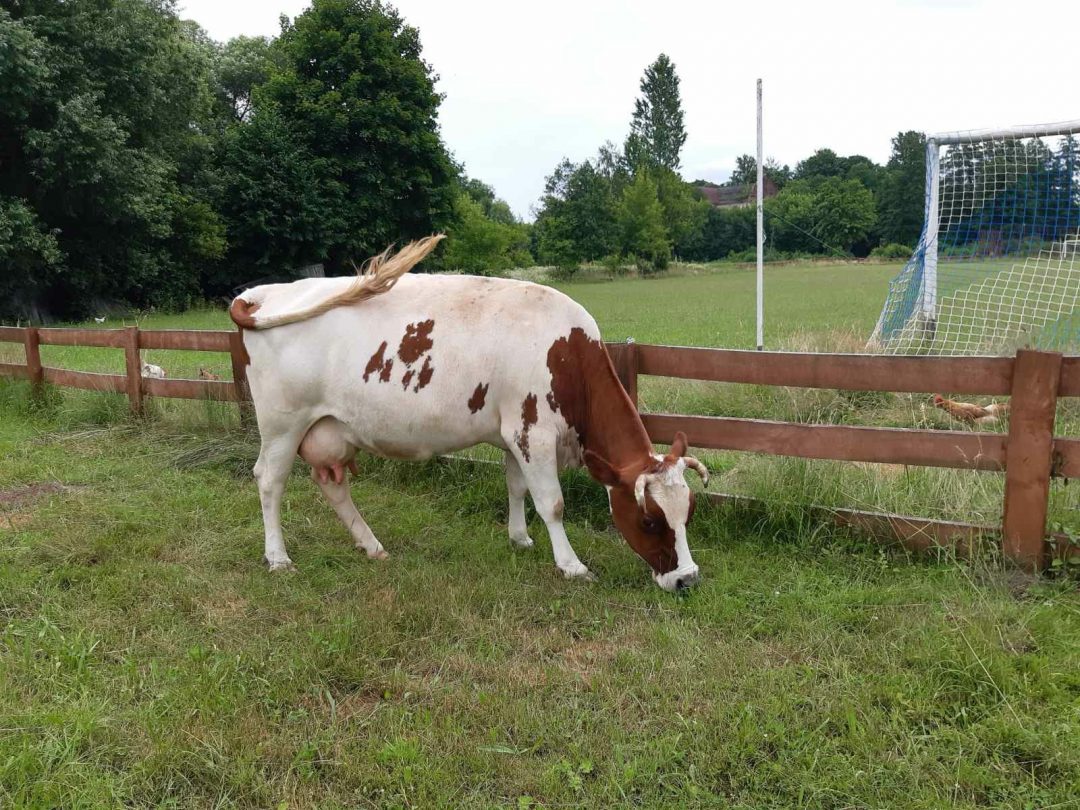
[(1008, 225)]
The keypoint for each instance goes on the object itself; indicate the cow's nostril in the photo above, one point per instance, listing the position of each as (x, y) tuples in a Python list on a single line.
[(680, 584)]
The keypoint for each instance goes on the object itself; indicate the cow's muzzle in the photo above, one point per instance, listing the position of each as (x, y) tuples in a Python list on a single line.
[(679, 578)]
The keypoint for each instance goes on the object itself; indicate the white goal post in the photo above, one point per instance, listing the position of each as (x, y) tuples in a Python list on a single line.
[(997, 265)]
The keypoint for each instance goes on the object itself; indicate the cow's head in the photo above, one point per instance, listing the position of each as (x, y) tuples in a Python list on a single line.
[(651, 505)]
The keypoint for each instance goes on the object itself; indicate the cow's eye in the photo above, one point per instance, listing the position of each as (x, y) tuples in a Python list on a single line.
[(650, 524)]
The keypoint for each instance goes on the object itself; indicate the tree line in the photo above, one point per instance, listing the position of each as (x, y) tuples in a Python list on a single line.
[(143, 162), (630, 205)]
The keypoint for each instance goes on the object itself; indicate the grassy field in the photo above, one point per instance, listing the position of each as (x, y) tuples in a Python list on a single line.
[(147, 658)]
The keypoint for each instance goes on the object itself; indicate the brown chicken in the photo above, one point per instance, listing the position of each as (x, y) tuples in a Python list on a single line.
[(971, 413), (208, 375)]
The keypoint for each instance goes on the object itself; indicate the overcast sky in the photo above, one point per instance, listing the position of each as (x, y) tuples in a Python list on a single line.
[(527, 84)]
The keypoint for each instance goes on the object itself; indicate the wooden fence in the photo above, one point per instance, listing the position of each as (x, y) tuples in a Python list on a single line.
[(1029, 454)]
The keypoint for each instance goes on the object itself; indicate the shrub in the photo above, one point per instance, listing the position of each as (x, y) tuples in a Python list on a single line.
[(893, 250)]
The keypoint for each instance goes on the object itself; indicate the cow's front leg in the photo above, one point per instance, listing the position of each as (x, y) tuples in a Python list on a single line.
[(540, 470), (272, 472), (516, 487)]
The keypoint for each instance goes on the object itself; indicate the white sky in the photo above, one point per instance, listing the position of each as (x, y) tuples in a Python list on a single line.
[(527, 84)]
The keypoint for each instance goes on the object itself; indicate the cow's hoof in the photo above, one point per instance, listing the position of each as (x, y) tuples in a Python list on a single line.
[(521, 542), (280, 565), (579, 572), (381, 554)]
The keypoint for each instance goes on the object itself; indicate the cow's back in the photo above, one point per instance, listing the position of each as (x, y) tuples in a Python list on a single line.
[(437, 363)]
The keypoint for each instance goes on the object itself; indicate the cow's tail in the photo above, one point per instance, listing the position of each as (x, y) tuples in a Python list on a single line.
[(378, 275)]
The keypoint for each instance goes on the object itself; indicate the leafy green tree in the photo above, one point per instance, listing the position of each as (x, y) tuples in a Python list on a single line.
[(823, 163), (282, 204), (480, 245), (641, 222), (495, 209), (104, 109), (819, 217), (350, 82), (577, 220), (657, 132), (746, 171), (901, 197), (684, 212), (240, 65)]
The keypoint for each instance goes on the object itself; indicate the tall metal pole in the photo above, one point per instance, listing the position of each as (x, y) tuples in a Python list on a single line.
[(760, 229)]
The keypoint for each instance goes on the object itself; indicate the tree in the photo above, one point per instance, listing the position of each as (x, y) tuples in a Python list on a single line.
[(817, 217), (746, 171), (494, 208), (657, 132), (241, 65), (282, 203), (577, 220), (823, 163), (684, 212), (901, 197), (481, 245), (641, 221), (103, 119), (355, 92)]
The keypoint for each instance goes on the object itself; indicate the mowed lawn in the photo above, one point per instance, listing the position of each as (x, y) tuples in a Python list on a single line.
[(147, 659)]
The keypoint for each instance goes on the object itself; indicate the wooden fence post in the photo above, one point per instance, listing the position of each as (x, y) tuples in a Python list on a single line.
[(31, 344), (624, 358), (1029, 456), (134, 369), (240, 360)]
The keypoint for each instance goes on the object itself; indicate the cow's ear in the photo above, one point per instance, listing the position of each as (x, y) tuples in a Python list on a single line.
[(678, 447), (600, 469)]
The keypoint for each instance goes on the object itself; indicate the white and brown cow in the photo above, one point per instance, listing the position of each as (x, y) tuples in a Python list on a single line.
[(407, 367)]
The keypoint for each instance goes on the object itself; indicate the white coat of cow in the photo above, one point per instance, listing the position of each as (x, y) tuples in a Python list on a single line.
[(410, 366)]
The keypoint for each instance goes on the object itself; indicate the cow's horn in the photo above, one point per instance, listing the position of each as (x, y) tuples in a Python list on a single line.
[(699, 468), (639, 487)]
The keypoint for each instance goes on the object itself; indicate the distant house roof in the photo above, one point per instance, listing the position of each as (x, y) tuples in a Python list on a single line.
[(728, 196)]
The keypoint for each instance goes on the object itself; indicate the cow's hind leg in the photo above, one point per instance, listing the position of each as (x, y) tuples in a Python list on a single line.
[(516, 487), (541, 473), (338, 495), (272, 472), (326, 448)]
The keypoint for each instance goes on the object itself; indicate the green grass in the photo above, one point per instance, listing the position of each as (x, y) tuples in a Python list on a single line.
[(148, 659)]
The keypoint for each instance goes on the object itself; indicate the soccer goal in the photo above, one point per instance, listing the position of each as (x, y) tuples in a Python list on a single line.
[(997, 266)]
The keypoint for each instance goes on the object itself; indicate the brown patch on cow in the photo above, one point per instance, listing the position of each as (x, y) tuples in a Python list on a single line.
[(416, 341), (380, 363), (528, 419), (242, 313), (425, 375), (589, 396), (476, 401), (407, 378), (552, 403)]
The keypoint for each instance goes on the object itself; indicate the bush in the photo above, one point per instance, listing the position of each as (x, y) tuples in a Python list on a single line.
[(615, 265), (893, 250), (564, 272)]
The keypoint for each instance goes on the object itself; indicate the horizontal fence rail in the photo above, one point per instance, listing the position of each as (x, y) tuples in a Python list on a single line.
[(1029, 455)]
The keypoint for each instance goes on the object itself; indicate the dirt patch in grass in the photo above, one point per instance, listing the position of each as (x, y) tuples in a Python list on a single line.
[(18, 496), (15, 503)]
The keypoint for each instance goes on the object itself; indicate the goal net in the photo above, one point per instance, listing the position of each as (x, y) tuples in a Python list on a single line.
[(997, 266)]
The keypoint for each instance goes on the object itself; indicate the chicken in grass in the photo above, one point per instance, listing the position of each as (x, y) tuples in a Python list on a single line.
[(970, 412), (205, 374)]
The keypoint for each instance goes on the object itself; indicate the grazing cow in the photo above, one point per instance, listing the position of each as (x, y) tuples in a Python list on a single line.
[(152, 371), (410, 366)]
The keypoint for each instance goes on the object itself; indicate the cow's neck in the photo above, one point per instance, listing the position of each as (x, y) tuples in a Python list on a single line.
[(613, 428)]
